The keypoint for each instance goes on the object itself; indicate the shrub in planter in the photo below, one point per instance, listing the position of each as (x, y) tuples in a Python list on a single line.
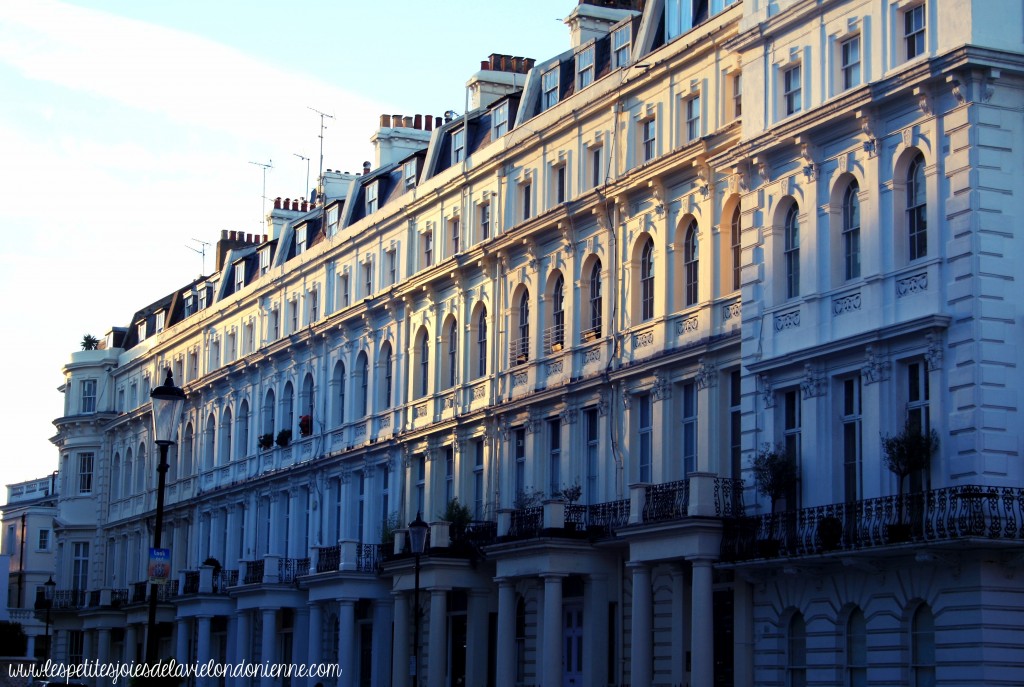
[(306, 425), (906, 453), (830, 532), (774, 472), (266, 440), (283, 437)]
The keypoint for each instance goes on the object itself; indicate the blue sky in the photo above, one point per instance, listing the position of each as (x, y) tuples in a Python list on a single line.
[(127, 128)]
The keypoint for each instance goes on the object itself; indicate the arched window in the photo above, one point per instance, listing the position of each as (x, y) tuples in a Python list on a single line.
[(796, 652), (210, 443), (481, 343), (288, 407), (792, 251), (307, 402), (521, 345), (453, 353), (128, 467), (387, 361), (851, 232), (242, 443), (269, 401), (690, 264), (856, 650), (115, 477), (338, 383), (363, 370), (917, 206), (224, 454), (737, 250), (142, 470), (187, 450), (647, 281), (596, 302), (424, 376), (922, 648), (557, 337)]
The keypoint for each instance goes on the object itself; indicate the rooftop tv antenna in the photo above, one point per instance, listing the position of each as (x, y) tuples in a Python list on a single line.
[(303, 157), (201, 251), (269, 165), (322, 127)]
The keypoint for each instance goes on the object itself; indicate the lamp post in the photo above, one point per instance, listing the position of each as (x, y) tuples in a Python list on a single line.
[(168, 402), (48, 588), (417, 541)]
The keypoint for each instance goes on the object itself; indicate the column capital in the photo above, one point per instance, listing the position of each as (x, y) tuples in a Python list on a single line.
[(438, 590), (505, 581), (553, 576), (347, 600), (702, 561), (641, 566)]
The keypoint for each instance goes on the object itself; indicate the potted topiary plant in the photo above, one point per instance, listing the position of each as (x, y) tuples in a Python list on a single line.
[(283, 437), (775, 476), (906, 453), (266, 440)]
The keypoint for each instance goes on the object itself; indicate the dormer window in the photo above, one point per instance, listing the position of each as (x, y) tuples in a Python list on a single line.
[(622, 42), (332, 220), (190, 304), (239, 276), (585, 68), (549, 88), (202, 298), (300, 240), (141, 329), (409, 174), (160, 318), (265, 260), (500, 118), (371, 198), (458, 146)]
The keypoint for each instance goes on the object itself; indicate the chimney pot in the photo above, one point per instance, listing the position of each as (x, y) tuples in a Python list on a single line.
[(277, 203), (264, 239), (437, 122), (428, 123), (366, 168), (417, 122), (396, 121), (407, 121), (385, 121)]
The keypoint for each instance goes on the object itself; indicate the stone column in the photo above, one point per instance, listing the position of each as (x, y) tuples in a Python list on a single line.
[(346, 643), (234, 530), (477, 637), (641, 637), (506, 644), (276, 524), (702, 645), (400, 644), (679, 643), (437, 651), (203, 647), (315, 632), (87, 651), (268, 641), (243, 641), (181, 635), (131, 644), (743, 633), (301, 641), (595, 637), (102, 651), (382, 640), (552, 648)]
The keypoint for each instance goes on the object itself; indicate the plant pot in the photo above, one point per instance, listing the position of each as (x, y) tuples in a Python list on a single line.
[(830, 532), (767, 548), (898, 533)]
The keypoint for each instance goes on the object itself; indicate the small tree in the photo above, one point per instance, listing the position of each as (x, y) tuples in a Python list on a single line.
[(774, 472), (90, 343), (572, 493), (283, 437), (909, 451), (391, 524), (456, 513), (13, 639)]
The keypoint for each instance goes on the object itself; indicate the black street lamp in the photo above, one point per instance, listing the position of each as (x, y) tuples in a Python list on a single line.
[(168, 402), (48, 588), (417, 540)]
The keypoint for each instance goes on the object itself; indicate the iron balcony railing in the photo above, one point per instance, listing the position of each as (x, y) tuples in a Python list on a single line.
[(291, 568), (328, 559), (666, 501), (526, 522), (608, 516), (118, 597), (518, 351), (728, 497), (368, 558), (254, 572), (950, 513), (191, 582)]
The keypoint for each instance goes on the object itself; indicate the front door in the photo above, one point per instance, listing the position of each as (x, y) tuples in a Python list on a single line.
[(572, 633)]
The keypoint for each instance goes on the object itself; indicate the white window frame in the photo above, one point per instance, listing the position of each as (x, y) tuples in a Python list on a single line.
[(549, 88), (300, 239), (459, 145), (409, 174), (87, 396), (160, 320), (649, 138), (911, 34), (86, 467), (371, 198), (850, 52), (485, 221), (499, 120), (585, 68), (333, 218), (792, 89), (621, 47), (264, 261), (693, 125)]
